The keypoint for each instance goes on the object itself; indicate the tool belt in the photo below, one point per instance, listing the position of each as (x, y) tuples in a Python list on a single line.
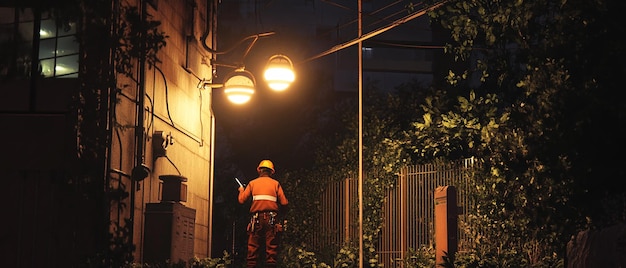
[(271, 217)]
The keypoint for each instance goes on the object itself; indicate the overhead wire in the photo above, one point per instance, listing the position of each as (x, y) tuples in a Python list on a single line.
[(369, 15), (376, 32)]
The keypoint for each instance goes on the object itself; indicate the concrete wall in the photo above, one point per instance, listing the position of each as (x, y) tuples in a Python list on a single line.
[(174, 108)]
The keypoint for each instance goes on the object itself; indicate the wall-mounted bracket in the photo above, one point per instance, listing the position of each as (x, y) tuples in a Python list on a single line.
[(160, 142)]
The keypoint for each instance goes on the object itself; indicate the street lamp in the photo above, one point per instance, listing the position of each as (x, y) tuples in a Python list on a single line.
[(279, 72), (240, 84)]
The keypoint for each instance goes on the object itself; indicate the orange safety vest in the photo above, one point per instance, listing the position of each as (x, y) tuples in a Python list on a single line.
[(266, 194)]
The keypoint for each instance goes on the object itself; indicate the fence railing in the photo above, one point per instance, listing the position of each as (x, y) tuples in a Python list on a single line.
[(408, 212)]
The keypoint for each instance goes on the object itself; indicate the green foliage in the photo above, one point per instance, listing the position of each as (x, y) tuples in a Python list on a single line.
[(137, 38), (224, 261), (423, 257), (221, 262), (535, 101), (296, 257), (303, 207), (347, 257), (515, 193)]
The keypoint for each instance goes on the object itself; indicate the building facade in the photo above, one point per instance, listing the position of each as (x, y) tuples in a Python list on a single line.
[(109, 151)]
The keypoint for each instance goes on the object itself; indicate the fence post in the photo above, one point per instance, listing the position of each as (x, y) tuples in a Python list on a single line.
[(446, 223)]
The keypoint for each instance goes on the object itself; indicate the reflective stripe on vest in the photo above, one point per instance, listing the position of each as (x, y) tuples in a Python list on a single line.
[(264, 197)]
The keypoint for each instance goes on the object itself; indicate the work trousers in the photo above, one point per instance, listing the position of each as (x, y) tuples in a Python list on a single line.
[(263, 228)]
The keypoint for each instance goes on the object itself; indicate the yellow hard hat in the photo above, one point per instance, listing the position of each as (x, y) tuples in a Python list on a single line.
[(266, 164)]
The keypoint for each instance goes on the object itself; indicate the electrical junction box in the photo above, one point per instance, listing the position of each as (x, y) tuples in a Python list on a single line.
[(160, 142)]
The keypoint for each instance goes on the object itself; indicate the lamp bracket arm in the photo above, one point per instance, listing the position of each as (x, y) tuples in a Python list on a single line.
[(255, 37), (237, 65), (204, 84)]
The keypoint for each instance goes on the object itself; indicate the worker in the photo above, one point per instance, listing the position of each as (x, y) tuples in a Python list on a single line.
[(264, 228)]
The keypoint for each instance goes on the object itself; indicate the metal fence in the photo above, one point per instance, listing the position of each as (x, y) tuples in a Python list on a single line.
[(408, 212)]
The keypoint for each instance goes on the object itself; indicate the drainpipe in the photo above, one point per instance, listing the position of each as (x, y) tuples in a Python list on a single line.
[(211, 27), (140, 130)]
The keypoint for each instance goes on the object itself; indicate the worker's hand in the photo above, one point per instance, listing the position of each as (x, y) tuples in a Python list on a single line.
[(241, 185), (240, 188)]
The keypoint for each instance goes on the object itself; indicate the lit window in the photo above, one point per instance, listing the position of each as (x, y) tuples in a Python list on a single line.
[(58, 48)]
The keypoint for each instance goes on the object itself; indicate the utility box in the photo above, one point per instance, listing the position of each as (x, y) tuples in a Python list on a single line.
[(169, 225), (168, 233), (446, 223)]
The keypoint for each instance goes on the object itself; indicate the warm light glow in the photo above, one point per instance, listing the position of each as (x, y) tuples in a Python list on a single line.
[(43, 33), (279, 72), (239, 86)]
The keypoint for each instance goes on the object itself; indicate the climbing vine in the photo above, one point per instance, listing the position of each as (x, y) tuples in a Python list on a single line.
[(111, 45)]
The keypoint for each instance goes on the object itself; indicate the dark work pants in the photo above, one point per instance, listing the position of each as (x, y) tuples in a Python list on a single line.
[(264, 232)]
